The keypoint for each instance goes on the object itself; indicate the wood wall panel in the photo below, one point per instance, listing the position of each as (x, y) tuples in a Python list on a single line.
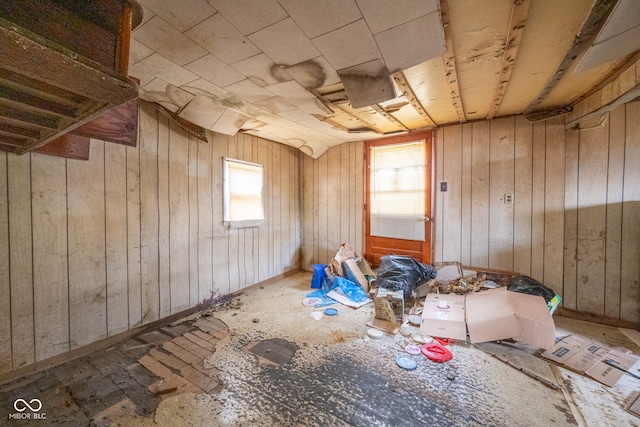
[(630, 272), (554, 201), (574, 224), (501, 181), (615, 187), (92, 248), (592, 216), (6, 363), (570, 262), (20, 259), (86, 217), (523, 182), (134, 279), (193, 221), (466, 217), (115, 181), (539, 147), (164, 227), (480, 193), (50, 273), (149, 248), (322, 198), (452, 165), (206, 241), (179, 267)]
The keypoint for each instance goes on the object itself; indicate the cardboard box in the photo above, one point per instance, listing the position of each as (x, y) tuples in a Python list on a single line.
[(604, 364), (489, 315), (443, 316)]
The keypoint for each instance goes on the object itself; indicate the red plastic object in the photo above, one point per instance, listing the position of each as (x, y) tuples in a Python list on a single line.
[(443, 341), (436, 352)]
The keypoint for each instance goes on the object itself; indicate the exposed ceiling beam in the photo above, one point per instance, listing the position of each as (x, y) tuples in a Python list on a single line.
[(519, 15), (450, 63), (405, 87), (589, 30), (380, 110)]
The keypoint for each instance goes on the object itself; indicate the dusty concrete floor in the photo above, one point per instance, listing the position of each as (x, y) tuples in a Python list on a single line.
[(328, 372)]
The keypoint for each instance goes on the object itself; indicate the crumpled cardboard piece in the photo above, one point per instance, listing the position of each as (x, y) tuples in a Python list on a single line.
[(344, 253)]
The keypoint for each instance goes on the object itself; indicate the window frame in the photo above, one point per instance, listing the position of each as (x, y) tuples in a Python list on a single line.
[(227, 177)]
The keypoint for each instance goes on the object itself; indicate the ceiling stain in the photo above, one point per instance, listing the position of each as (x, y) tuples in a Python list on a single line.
[(310, 74)]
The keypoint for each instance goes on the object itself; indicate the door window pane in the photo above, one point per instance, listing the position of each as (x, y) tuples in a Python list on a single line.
[(397, 185)]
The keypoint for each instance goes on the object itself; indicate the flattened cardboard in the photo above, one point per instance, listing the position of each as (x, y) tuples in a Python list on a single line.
[(447, 321), (591, 358), (489, 315)]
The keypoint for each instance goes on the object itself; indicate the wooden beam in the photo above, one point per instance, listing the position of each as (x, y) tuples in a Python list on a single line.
[(380, 110), (600, 112), (68, 146), (119, 125), (519, 14), (589, 30), (404, 86), (450, 64)]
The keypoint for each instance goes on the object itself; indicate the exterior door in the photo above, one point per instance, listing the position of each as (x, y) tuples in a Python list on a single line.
[(398, 207)]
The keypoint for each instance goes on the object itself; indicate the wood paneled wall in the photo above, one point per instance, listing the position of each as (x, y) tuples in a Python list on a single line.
[(575, 221), (89, 249), (333, 201)]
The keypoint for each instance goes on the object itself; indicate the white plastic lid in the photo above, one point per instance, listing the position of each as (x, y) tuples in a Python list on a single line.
[(375, 333)]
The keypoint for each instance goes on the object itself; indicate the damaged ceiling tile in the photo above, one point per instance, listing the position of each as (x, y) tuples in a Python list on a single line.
[(368, 83), (229, 123), (350, 45), (412, 43), (202, 111)]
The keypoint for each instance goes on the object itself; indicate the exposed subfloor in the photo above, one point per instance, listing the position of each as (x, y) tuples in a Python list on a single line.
[(263, 359)]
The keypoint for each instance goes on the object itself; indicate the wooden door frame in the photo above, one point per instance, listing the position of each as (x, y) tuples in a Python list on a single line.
[(416, 136)]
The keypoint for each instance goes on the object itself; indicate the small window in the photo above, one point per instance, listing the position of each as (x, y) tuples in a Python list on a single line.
[(243, 183)]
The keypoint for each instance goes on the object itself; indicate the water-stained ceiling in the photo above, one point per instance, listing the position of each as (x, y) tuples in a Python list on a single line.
[(317, 73)]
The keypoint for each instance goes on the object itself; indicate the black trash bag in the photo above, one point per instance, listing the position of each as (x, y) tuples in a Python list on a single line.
[(527, 285), (399, 272)]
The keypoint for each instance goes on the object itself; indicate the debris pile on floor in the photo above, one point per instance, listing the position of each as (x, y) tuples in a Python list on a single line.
[(442, 304)]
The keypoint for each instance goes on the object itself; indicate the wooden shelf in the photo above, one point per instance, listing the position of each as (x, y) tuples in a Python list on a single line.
[(53, 79)]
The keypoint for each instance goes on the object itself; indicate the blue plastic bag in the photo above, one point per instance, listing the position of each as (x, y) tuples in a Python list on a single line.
[(353, 291)]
